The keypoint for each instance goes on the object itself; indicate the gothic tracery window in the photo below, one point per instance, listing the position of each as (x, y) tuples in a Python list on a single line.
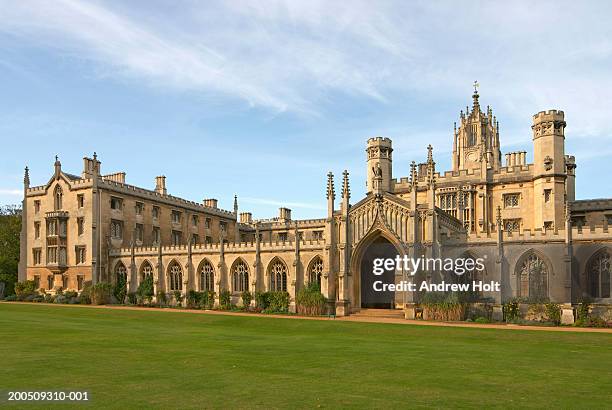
[(598, 274), (175, 277), (533, 278), (240, 277), (120, 274), (207, 277), (278, 277), (57, 196), (315, 271), (146, 271)]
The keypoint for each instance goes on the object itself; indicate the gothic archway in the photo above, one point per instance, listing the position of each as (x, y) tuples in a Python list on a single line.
[(599, 274)]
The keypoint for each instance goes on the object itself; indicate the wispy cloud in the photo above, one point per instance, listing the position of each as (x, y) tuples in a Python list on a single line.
[(265, 201), (12, 192)]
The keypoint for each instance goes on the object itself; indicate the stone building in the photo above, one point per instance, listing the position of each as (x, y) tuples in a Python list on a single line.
[(521, 218)]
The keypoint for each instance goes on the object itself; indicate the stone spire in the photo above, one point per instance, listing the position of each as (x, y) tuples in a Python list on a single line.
[(346, 190), (431, 166), (476, 105), (331, 193), (26, 178), (58, 166), (413, 174), (236, 205)]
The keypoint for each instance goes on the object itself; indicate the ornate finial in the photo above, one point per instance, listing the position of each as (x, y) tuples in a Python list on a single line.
[(346, 190), (235, 203), (476, 85), (26, 177), (475, 95), (95, 156), (499, 217), (331, 193), (413, 173), (429, 153), (56, 158)]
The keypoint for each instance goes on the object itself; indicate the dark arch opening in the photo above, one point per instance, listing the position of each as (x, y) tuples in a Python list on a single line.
[(371, 298)]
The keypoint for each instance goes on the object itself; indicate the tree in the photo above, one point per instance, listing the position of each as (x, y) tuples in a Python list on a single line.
[(10, 230)]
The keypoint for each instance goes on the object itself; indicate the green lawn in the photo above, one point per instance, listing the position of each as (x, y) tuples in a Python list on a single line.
[(130, 359)]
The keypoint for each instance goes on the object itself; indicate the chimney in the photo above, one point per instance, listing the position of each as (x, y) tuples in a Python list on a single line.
[(91, 166), (246, 218), (507, 160), (285, 214), (160, 185), (210, 202)]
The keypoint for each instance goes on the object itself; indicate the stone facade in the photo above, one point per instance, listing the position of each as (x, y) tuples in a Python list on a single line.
[(521, 218)]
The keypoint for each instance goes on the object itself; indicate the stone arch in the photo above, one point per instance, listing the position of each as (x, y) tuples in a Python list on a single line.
[(533, 270), (239, 275), (146, 269), (175, 276), (119, 273), (277, 274), (206, 275), (359, 252), (598, 273), (314, 272)]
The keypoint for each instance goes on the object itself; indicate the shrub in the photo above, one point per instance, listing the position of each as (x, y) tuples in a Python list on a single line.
[(512, 311), (11, 298), (194, 298), (178, 297), (70, 294), (553, 311), (444, 307), (310, 301), (162, 299), (261, 300), (278, 302), (208, 299), (247, 297), (85, 296), (132, 298), (145, 289), (482, 320), (225, 299), (100, 293), (120, 290), (60, 299), (25, 289), (584, 309)]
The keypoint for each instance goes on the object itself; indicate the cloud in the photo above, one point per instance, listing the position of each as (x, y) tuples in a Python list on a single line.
[(264, 201), (12, 192)]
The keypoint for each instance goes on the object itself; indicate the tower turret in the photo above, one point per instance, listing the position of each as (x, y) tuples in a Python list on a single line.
[(379, 160)]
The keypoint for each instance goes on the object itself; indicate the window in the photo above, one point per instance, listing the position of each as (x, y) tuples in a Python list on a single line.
[(63, 229), (36, 206), (80, 225), (533, 278), (80, 254), (146, 271), (36, 255), (116, 203), (207, 277), (57, 198), (195, 220), (120, 277), (547, 193), (177, 237), (315, 271), (175, 277), (512, 225), (195, 239), (139, 208), (207, 223), (317, 235), (50, 282), (608, 219), (548, 225), (156, 235), (511, 200), (240, 276), (155, 212), (116, 229), (80, 200), (282, 236), (598, 274), (139, 232), (52, 227), (209, 239), (278, 277), (36, 230), (176, 217), (80, 280), (64, 281), (222, 226), (52, 254), (37, 282)]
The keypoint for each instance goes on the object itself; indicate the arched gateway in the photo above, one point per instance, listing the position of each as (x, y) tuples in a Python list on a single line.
[(373, 293)]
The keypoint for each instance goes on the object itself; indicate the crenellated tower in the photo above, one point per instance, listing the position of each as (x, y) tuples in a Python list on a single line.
[(476, 140), (379, 160)]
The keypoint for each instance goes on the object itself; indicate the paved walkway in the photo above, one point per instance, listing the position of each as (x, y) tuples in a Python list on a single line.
[(352, 318)]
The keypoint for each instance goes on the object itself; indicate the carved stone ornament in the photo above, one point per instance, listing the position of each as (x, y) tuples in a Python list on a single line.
[(548, 163)]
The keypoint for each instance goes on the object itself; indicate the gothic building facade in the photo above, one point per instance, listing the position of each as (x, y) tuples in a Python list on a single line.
[(521, 218)]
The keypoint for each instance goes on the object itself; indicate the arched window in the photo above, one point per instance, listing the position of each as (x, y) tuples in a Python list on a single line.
[(278, 276), (120, 275), (240, 276), (533, 278), (315, 271), (599, 271), (175, 276), (146, 271), (463, 275), (57, 198), (207, 276)]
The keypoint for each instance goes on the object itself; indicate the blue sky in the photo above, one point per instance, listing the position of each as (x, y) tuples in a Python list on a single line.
[(263, 98)]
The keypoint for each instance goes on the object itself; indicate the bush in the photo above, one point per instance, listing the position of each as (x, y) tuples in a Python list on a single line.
[(444, 307), (261, 300), (70, 294), (132, 298), (482, 320), (100, 293), (120, 290), (207, 300), (60, 299), (225, 299), (310, 301), (11, 298), (512, 311), (178, 297), (25, 289), (278, 302), (584, 309), (553, 311), (194, 298), (162, 299), (85, 296), (247, 297), (145, 289)]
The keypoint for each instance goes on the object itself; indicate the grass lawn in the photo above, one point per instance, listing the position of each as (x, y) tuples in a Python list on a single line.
[(131, 359)]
